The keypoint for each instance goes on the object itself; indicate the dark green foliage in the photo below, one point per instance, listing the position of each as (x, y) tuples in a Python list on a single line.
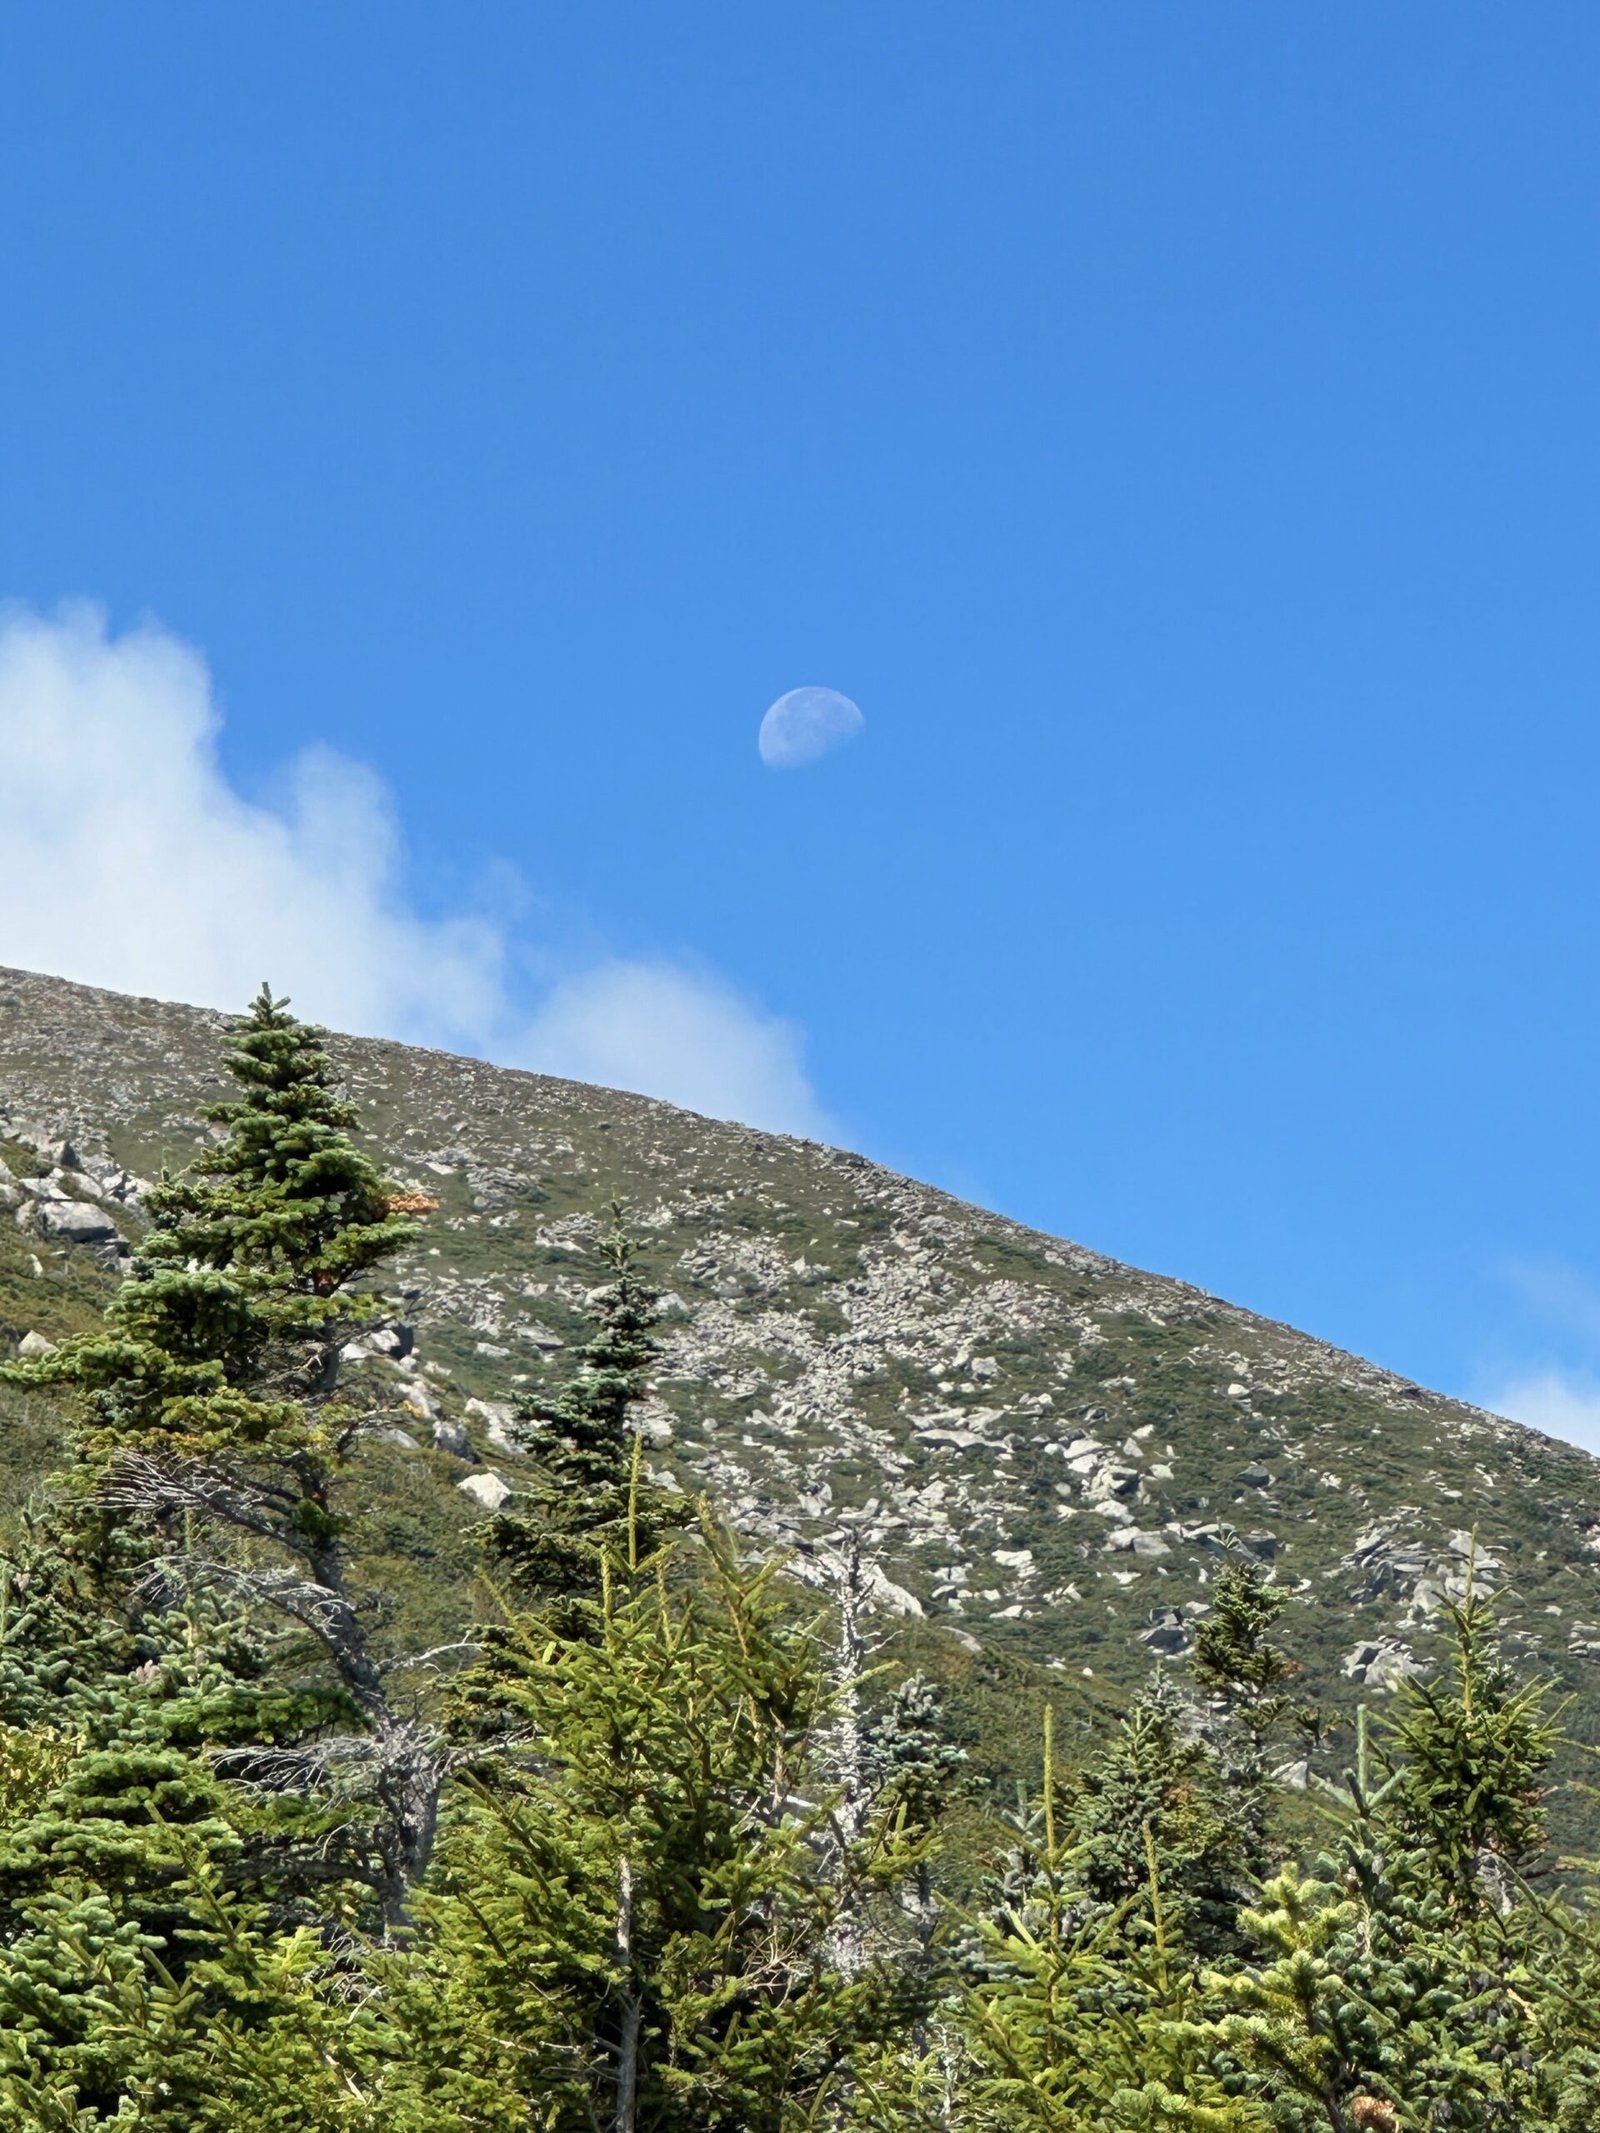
[(585, 1498), (1473, 1751), (913, 1768), (686, 1883), (212, 1434), (1159, 1790)]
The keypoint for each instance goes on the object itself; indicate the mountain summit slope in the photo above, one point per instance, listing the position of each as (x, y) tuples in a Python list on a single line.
[(1039, 1448)]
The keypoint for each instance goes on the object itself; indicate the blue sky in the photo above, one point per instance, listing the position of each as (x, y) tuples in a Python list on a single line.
[(1176, 428)]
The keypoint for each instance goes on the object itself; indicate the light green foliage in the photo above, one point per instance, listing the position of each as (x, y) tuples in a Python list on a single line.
[(663, 1900), (632, 1918), (1082, 2014), (1473, 1750)]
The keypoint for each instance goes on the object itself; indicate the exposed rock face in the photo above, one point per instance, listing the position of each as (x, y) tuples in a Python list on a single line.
[(72, 1220), (491, 1490), (1021, 1438)]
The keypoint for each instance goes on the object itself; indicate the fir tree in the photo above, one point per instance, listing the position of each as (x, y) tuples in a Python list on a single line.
[(1473, 1750), (1397, 1982), (211, 1406), (1157, 1790), (148, 1904), (632, 1930), (1084, 2014), (549, 1540)]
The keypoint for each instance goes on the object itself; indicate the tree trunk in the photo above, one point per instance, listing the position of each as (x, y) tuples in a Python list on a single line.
[(847, 1945), (632, 2010)]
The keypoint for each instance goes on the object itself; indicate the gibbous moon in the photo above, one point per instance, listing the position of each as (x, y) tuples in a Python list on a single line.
[(805, 724)]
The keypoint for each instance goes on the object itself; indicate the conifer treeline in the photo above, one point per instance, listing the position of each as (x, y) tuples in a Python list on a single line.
[(636, 1857)]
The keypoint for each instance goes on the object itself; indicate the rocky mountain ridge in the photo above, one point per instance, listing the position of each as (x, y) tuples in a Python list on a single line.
[(1036, 1449)]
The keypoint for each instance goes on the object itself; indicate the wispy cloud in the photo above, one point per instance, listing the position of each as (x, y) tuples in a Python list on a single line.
[(129, 859), (679, 1034), (1563, 1403), (1553, 1383)]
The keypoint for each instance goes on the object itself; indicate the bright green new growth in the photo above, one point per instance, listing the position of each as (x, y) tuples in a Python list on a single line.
[(682, 1883), (633, 1916)]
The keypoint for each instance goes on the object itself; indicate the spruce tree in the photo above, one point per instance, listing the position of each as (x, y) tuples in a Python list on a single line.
[(1085, 2000), (156, 1917), (1247, 1679), (632, 1925), (1157, 1790), (548, 1542), (1473, 1749), (213, 1441), (1399, 1980)]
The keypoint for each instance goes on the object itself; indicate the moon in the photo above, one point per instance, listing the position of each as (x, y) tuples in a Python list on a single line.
[(805, 724)]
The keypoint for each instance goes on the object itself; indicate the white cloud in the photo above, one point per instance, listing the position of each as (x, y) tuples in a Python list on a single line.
[(680, 1035), (805, 724), (128, 859), (1562, 1403)]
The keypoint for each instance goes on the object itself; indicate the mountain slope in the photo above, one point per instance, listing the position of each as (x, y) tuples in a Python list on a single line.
[(1038, 1449)]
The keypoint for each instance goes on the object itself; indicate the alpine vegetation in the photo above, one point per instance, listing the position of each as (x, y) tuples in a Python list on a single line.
[(603, 1803)]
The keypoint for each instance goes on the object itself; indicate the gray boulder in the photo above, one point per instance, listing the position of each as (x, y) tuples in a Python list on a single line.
[(70, 1221), (486, 1488), (1167, 1638), (497, 1418)]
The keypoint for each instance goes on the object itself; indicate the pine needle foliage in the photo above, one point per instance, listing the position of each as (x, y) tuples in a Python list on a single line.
[(214, 1438), (665, 1898), (632, 1923), (582, 1501)]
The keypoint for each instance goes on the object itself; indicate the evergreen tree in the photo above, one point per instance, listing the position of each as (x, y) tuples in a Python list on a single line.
[(1365, 2006), (1085, 2004), (148, 1905), (633, 1924), (1157, 1790), (1473, 1750), (1247, 1677), (913, 1771), (549, 1540), (1398, 1981), (211, 1408)]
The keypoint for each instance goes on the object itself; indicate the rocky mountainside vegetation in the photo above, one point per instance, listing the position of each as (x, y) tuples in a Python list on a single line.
[(1040, 1456), (414, 1717)]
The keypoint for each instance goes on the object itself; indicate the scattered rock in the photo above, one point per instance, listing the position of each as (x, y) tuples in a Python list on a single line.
[(498, 1419), (538, 1336), (33, 1345), (1379, 1665), (1167, 1639), (70, 1222), (487, 1488), (1133, 1540)]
